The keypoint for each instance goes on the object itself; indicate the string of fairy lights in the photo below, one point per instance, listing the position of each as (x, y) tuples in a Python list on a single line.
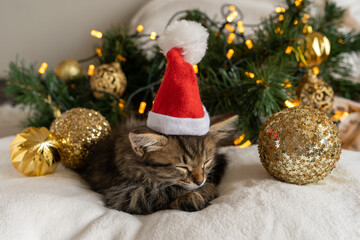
[(235, 29)]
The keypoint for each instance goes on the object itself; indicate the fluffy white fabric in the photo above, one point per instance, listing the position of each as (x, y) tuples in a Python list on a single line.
[(179, 126), (190, 36), (252, 205)]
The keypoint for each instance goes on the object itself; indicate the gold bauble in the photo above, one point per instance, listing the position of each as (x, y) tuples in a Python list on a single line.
[(79, 130), (299, 145), (315, 48), (108, 78), (69, 69), (35, 152), (314, 92)]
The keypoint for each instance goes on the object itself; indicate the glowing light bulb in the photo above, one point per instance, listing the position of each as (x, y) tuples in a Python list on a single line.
[(231, 38), (121, 104), (339, 115), (142, 107), (229, 27), (43, 68), (232, 8), (232, 16), (96, 34), (288, 50), (140, 28), (245, 144), (249, 44), (291, 104), (121, 58), (240, 25), (316, 70), (99, 52), (230, 53), (91, 69), (239, 139), (196, 69), (305, 18), (153, 35)]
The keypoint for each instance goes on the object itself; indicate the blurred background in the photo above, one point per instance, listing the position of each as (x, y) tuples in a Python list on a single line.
[(50, 31)]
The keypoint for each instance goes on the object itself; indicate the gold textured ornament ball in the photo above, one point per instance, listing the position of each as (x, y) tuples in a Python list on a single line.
[(314, 92), (299, 145), (69, 69), (108, 78), (79, 130), (35, 152), (315, 48)]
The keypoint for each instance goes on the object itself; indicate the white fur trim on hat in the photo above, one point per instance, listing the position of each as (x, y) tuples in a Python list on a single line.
[(179, 126), (190, 36)]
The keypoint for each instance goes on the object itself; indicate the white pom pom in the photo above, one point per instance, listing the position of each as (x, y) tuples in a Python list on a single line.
[(190, 36)]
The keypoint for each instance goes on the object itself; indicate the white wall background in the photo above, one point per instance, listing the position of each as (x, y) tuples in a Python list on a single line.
[(51, 31)]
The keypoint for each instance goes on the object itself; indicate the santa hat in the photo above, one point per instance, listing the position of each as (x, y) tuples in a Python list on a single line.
[(178, 109)]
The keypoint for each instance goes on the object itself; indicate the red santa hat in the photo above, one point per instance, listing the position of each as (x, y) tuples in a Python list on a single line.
[(178, 109)]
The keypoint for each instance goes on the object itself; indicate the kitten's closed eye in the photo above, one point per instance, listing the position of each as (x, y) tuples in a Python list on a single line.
[(184, 169), (207, 163)]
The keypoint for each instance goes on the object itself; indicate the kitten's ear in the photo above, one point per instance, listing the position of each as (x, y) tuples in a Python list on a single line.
[(223, 126), (143, 140)]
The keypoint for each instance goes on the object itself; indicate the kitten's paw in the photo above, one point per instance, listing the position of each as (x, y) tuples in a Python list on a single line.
[(190, 202)]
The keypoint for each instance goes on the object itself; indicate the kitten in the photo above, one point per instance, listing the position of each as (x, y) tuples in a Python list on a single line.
[(140, 171)]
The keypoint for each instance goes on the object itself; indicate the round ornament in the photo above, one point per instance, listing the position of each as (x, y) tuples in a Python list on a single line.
[(315, 48), (69, 69), (299, 145), (108, 78), (314, 92), (79, 130), (35, 152)]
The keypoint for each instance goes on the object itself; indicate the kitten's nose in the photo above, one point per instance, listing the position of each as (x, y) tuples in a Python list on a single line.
[(198, 179), (199, 182), (198, 176)]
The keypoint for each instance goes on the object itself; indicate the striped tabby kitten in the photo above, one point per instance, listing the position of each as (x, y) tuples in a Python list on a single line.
[(140, 171)]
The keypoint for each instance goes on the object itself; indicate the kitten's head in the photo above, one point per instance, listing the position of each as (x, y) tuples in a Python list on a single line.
[(182, 160)]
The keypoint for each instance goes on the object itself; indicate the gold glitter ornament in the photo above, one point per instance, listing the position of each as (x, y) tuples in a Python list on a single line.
[(314, 92), (108, 78), (69, 69), (35, 152), (299, 145), (79, 130), (315, 48)]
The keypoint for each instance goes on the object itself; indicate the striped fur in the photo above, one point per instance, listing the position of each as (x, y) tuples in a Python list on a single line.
[(139, 171)]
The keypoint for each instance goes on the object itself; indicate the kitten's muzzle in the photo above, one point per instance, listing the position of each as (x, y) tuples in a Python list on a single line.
[(199, 182), (198, 177)]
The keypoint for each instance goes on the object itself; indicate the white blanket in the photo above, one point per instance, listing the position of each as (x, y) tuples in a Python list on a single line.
[(252, 205)]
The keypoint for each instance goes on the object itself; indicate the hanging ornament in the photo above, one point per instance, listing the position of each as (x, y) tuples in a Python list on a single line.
[(79, 130), (108, 78), (299, 145), (69, 69), (314, 92), (35, 152), (315, 48)]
